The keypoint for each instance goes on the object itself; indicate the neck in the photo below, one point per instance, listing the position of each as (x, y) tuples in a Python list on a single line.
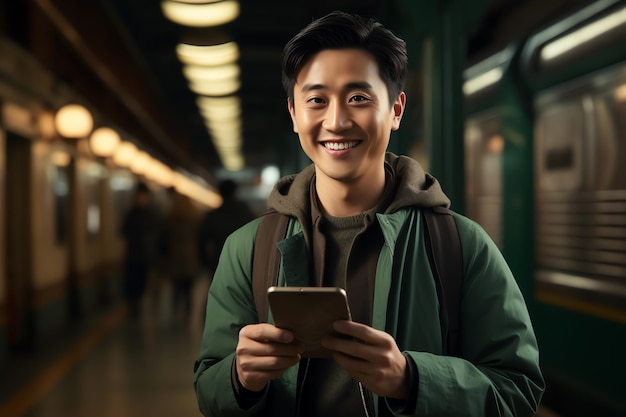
[(342, 199)]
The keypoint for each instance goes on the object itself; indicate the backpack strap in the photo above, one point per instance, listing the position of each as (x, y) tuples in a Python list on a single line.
[(446, 259), (266, 259)]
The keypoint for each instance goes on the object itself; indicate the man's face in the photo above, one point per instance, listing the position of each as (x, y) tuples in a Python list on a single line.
[(342, 114)]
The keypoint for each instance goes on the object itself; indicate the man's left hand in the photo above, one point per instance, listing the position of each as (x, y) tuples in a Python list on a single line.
[(371, 356)]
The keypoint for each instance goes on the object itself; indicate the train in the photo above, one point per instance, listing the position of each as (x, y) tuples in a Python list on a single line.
[(545, 141)]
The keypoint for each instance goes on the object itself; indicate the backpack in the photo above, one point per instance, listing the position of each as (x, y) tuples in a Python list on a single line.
[(444, 256)]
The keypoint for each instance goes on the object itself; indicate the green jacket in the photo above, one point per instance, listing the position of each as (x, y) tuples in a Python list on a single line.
[(497, 374)]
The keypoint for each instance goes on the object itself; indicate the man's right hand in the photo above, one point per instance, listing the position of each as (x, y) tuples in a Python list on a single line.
[(264, 352)]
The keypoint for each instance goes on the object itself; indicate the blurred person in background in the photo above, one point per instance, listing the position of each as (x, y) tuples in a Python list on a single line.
[(140, 229), (179, 250), (218, 224)]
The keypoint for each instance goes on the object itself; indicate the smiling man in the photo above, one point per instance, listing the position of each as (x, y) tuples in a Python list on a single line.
[(355, 222)]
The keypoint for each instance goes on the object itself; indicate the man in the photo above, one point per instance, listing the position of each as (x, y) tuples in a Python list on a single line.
[(140, 229), (356, 223)]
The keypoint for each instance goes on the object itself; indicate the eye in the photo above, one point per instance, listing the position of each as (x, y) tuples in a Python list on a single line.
[(358, 99), (315, 100)]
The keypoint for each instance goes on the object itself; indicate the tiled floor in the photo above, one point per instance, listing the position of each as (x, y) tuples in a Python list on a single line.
[(137, 370), (115, 366)]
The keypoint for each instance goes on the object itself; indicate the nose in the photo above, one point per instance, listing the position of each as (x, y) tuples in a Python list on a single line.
[(337, 117)]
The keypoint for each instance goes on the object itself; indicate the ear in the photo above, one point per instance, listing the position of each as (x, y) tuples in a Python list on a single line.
[(292, 113), (398, 110)]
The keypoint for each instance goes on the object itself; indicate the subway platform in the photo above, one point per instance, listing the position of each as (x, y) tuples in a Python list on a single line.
[(113, 365)]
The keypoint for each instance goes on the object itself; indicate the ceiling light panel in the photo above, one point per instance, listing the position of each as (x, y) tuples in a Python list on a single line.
[(201, 14), (225, 53)]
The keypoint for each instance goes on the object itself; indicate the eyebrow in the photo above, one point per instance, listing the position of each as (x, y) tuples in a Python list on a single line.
[(355, 85)]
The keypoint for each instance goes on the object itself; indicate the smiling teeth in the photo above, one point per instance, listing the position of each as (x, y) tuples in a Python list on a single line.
[(340, 146)]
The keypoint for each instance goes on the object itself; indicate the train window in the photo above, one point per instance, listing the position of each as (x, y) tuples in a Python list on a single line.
[(557, 159), (559, 146), (483, 167)]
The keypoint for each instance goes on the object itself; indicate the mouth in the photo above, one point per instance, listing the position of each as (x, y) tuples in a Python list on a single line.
[(341, 146)]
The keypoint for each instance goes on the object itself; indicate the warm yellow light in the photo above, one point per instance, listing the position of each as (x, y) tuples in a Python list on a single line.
[(482, 81), (160, 173), (227, 127), (495, 144), (140, 162), (201, 14), (219, 108), (583, 35), (201, 73), (73, 121), (233, 162), (124, 154), (103, 141), (210, 88), (225, 53)]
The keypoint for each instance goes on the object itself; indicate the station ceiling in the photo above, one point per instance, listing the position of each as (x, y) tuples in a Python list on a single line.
[(128, 46)]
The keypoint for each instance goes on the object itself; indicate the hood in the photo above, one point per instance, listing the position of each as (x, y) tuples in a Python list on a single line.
[(413, 188)]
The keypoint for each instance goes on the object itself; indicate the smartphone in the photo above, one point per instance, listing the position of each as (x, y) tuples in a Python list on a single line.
[(309, 312)]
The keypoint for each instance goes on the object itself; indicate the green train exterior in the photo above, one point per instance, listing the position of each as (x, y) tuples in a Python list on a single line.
[(545, 162)]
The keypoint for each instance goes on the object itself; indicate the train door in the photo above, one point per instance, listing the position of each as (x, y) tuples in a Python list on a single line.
[(18, 274)]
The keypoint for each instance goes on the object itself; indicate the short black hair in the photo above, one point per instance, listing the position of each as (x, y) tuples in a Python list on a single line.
[(339, 30)]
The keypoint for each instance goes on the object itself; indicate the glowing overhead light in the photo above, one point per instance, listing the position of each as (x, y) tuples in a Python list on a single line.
[(140, 162), (218, 102), (233, 162), (220, 115), (160, 173), (103, 141), (227, 126), (211, 73), (194, 190), (210, 88), (201, 14), (124, 154), (73, 121), (221, 54), (229, 104), (582, 35), (482, 81)]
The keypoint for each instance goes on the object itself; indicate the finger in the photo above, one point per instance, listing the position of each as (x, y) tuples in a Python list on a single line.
[(270, 349), (266, 364), (359, 331), (266, 332), (351, 347)]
